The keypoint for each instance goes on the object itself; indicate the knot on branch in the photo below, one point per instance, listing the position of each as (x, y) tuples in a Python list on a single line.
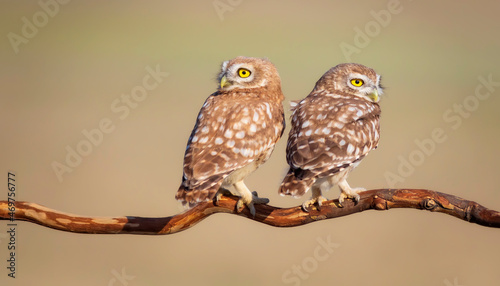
[(379, 203), (429, 204), (468, 213)]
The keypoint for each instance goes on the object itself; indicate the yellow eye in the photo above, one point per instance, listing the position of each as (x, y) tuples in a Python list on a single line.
[(357, 82), (244, 73)]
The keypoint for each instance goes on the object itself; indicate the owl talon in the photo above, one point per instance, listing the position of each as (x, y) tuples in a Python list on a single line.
[(240, 205), (318, 201), (350, 194), (356, 199), (260, 201), (341, 199), (220, 193)]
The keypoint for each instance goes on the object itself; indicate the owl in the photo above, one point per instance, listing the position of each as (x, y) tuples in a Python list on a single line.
[(333, 129), (235, 132)]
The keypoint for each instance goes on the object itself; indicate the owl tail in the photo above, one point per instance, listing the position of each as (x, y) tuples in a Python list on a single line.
[(193, 196), (185, 196), (294, 186)]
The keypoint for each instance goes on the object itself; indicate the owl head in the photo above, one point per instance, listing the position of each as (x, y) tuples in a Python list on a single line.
[(248, 73), (354, 79)]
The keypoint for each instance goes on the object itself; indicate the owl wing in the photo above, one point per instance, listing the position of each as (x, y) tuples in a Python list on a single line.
[(228, 135), (330, 133)]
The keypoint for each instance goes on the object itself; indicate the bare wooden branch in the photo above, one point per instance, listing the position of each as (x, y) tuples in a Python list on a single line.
[(382, 199)]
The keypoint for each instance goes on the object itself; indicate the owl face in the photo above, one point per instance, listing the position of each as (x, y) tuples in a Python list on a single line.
[(355, 79), (247, 73)]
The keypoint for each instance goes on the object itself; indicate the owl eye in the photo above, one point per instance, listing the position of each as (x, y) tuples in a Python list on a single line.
[(357, 82), (244, 73)]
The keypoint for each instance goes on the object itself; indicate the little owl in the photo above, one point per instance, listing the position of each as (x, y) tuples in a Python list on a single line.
[(235, 132), (333, 129)]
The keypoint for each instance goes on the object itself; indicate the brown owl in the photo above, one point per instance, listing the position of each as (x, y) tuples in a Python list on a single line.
[(333, 129), (235, 132)]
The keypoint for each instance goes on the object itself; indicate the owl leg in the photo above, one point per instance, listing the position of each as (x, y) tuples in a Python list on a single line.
[(347, 192), (220, 193), (248, 198), (316, 198)]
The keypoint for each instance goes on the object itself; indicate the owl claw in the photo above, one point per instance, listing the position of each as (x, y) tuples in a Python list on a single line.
[(220, 193), (318, 201), (240, 205), (352, 194)]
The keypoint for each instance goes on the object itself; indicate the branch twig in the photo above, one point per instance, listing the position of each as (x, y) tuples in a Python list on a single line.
[(382, 199)]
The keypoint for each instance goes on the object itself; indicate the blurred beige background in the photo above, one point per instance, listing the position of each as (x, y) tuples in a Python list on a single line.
[(69, 73)]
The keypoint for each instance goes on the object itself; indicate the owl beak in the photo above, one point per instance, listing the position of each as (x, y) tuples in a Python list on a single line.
[(224, 82), (374, 95)]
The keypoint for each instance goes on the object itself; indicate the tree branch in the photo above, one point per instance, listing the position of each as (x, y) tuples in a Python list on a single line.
[(382, 199)]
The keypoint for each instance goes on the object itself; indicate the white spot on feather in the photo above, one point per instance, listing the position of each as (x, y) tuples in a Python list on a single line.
[(255, 116), (350, 148), (228, 133), (253, 128), (268, 110), (338, 125), (321, 116), (240, 134), (246, 152)]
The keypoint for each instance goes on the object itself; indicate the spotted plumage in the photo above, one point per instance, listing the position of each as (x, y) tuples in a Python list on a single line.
[(333, 129), (235, 132)]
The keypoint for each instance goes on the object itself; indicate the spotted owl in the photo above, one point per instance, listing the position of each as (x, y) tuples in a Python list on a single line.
[(235, 132), (333, 129)]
